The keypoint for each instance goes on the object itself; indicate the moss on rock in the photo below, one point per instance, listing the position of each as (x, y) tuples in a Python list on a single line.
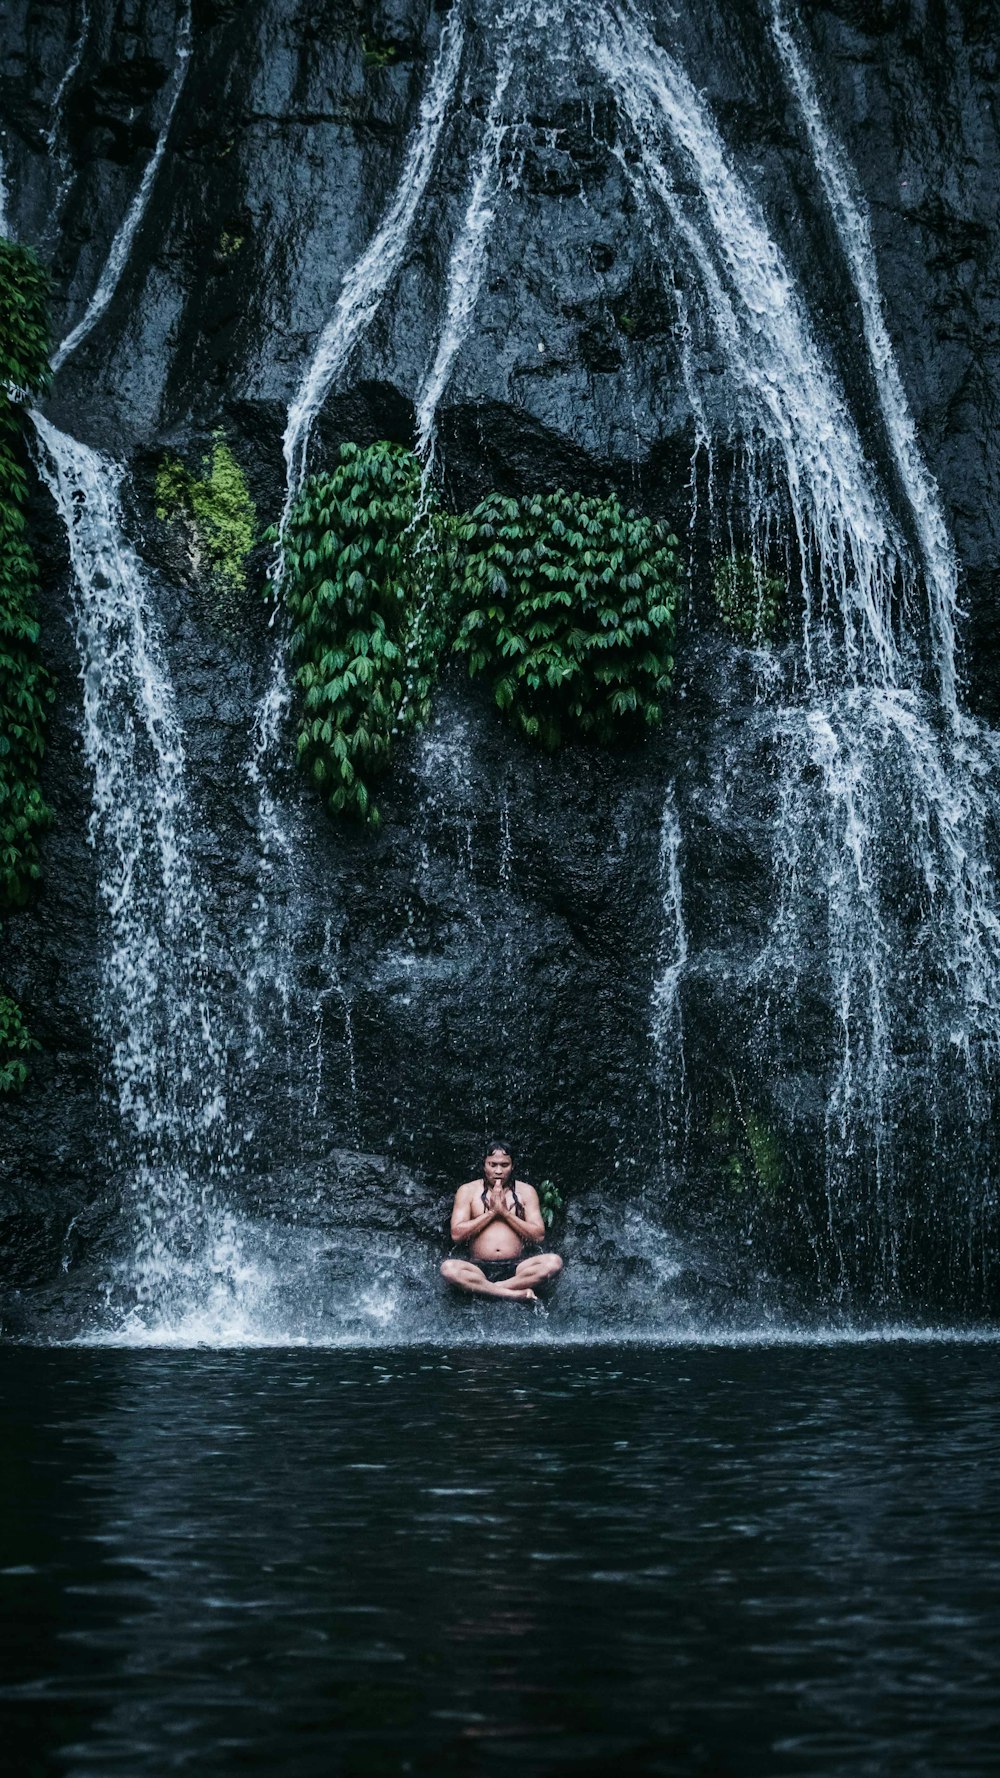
[(216, 508)]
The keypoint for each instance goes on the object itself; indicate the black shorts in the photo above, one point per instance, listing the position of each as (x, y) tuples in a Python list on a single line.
[(497, 1271)]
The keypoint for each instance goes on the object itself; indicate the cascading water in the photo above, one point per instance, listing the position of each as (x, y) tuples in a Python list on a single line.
[(854, 232), (5, 229), (789, 400), (368, 280), (883, 826), (125, 234), (168, 1063), (468, 255), (667, 1012), (54, 135), (365, 285), (883, 819)]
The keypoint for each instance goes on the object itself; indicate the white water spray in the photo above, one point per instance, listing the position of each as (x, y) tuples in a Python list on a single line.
[(468, 255), (370, 277), (854, 231), (127, 230), (884, 797), (168, 1064), (361, 295), (53, 135), (789, 397), (667, 1017), (5, 229)]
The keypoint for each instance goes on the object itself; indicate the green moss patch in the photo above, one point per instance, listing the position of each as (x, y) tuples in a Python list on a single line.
[(215, 507)]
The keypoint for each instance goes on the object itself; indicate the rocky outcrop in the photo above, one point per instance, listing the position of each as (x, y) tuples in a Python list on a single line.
[(488, 958)]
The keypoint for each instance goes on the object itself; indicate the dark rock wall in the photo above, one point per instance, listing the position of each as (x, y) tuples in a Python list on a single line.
[(495, 945)]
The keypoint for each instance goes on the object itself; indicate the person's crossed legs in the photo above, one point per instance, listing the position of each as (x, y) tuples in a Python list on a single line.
[(466, 1275)]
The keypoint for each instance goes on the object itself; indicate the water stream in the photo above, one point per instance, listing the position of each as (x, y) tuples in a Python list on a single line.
[(468, 255), (271, 973), (170, 1141), (885, 819), (121, 245)]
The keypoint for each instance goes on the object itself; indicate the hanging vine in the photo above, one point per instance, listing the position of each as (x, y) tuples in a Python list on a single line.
[(366, 584), (569, 602)]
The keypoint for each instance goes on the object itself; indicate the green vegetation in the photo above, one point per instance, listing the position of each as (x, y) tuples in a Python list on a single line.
[(751, 604), (551, 1200), (216, 509), (16, 1044), (572, 605), (365, 582), (750, 1153), (25, 687), (567, 601), (229, 244), (377, 54)]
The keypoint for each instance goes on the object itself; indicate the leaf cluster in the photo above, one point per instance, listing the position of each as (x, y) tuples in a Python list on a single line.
[(551, 1201), (375, 53), (749, 1153), (366, 582), (217, 508), (571, 604), (16, 1044), (751, 604), (26, 689)]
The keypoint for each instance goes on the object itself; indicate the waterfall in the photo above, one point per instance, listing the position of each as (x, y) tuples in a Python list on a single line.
[(56, 119), (125, 234), (854, 232), (168, 1063), (667, 1019), (5, 228), (363, 289), (788, 397), (885, 817), (370, 277), (468, 255), (69, 75)]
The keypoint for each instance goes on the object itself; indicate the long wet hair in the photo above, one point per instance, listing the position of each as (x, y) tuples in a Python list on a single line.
[(499, 1147)]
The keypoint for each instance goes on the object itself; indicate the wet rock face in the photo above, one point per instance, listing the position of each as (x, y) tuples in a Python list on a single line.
[(487, 959)]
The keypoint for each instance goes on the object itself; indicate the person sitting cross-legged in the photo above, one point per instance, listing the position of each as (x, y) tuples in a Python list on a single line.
[(497, 1215)]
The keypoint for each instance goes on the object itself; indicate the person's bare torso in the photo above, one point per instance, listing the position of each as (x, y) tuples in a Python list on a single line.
[(499, 1240)]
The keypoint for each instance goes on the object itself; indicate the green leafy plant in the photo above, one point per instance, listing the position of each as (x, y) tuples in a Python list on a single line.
[(216, 509), (551, 1200), (377, 54), (750, 1154), (365, 580), (752, 605), (572, 604), (26, 689), (16, 1044)]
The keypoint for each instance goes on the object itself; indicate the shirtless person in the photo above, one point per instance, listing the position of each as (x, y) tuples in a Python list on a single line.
[(497, 1215)]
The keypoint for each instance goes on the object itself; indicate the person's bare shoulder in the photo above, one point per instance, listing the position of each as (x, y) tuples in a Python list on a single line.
[(528, 1191), (469, 1190)]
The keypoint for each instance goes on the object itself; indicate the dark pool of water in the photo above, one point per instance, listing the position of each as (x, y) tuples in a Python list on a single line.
[(539, 1561)]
